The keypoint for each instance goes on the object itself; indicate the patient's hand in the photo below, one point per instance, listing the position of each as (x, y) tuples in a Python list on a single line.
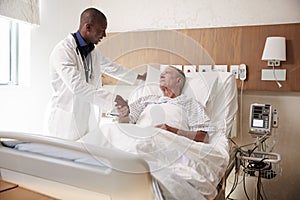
[(197, 136), (167, 127)]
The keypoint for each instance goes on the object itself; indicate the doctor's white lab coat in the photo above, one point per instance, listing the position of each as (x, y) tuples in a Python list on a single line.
[(69, 110)]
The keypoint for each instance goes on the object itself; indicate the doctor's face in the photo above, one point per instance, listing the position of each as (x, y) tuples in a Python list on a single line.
[(97, 32)]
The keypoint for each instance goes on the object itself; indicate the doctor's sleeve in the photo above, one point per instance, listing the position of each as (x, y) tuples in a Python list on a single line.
[(114, 70)]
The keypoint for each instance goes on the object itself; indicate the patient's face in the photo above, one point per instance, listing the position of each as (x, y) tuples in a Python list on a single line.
[(169, 79)]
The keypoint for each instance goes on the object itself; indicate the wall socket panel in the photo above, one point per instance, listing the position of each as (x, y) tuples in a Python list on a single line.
[(234, 69), (220, 68), (276, 63), (189, 69), (268, 74), (204, 68)]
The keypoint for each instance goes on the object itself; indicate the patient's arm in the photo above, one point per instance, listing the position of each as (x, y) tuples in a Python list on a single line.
[(197, 136)]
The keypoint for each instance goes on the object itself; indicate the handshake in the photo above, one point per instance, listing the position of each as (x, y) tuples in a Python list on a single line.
[(122, 107)]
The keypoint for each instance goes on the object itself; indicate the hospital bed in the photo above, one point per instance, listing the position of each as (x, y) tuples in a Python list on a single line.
[(75, 170)]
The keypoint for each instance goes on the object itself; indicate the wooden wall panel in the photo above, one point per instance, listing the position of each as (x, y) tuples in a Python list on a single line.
[(226, 45)]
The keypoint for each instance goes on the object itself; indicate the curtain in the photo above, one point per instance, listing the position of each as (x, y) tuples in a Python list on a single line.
[(24, 10)]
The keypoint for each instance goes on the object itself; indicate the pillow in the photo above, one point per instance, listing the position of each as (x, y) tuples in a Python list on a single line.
[(149, 87), (199, 85), (202, 87), (225, 101)]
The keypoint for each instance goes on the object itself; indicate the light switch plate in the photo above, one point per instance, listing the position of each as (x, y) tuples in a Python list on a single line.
[(268, 74)]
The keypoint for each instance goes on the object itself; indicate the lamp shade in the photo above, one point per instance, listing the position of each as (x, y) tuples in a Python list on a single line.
[(274, 49)]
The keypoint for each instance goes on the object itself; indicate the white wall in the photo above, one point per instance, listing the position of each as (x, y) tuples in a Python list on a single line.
[(131, 15), (22, 108)]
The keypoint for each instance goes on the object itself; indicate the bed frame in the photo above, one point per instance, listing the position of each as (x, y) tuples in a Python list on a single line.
[(132, 182), (108, 182)]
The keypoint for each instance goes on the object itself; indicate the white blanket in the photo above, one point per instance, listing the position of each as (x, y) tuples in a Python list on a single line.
[(185, 169), (164, 113)]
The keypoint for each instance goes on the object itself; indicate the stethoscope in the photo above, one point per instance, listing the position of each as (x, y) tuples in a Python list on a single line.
[(87, 61)]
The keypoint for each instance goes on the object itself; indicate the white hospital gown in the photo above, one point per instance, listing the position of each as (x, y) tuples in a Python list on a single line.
[(190, 114)]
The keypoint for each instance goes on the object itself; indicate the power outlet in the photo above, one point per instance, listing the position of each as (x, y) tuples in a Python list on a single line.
[(204, 68), (189, 69), (234, 69), (276, 63)]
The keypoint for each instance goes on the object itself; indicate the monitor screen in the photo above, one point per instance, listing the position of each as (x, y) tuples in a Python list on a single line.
[(258, 123)]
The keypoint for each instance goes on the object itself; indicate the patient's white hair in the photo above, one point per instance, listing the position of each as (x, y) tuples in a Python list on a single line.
[(180, 74)]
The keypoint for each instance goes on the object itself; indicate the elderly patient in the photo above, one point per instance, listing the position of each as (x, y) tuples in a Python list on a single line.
[(176, 113)]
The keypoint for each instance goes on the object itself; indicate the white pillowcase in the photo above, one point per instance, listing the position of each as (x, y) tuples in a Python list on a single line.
[(199, 85), (149, 87), (202, 87)]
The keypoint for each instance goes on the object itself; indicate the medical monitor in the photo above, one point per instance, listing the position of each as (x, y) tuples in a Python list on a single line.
[(260, 119)]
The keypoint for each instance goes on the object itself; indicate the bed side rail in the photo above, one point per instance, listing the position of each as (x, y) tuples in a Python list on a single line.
[(125, 174)]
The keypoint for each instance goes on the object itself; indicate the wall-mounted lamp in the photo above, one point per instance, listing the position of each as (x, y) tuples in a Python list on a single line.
[(274, 51)]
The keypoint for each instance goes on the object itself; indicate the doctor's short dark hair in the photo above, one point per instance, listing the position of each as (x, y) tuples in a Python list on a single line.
[(91, 15)]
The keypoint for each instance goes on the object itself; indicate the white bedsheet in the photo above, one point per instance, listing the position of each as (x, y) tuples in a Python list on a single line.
[(62, 153), (185, 169)]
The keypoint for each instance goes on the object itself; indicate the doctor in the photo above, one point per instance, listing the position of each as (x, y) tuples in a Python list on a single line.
[(76, 67)]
